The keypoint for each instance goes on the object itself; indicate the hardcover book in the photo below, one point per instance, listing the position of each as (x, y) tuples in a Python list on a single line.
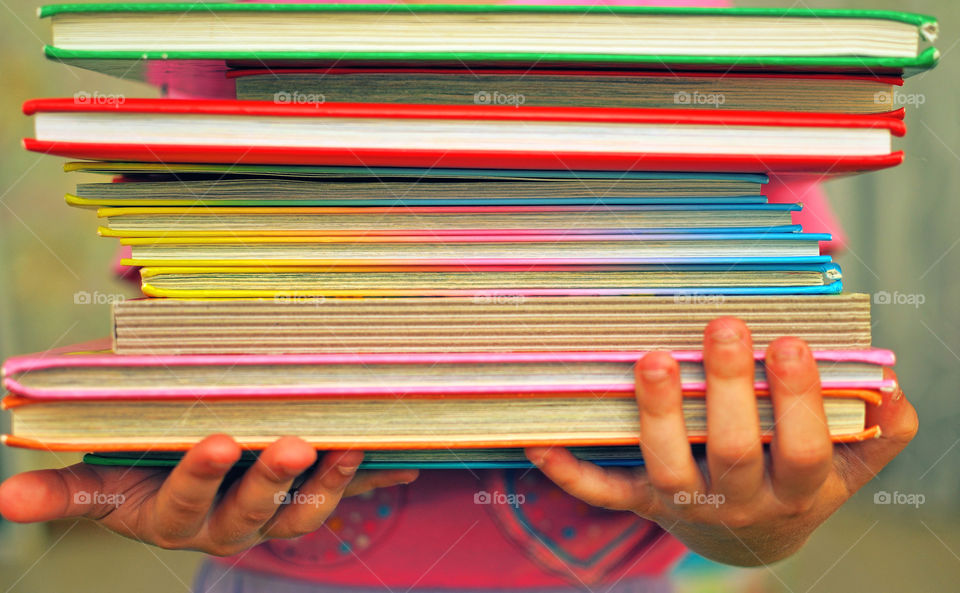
[(473, 136), (86, 398)]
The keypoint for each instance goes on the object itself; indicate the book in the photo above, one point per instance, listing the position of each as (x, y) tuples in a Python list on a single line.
[(87, 398), (489, 458), (479, 250), (444, 220), (442, 233), (110, 36), (824, 93), (164, 184), (474, 136), (494, 322), (483, 281)]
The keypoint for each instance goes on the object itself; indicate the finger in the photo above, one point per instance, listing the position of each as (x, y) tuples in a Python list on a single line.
[(734, 447), (45, 495), (611, 488), (898, 424), (305, 509), (801, 452), (667, 456), (365, 481), (253, 501), (187, 495)]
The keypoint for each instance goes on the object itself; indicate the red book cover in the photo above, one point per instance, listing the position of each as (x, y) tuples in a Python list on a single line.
[(561, 158)]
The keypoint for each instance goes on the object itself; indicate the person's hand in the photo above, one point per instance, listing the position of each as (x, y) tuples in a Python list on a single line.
[(184, 508), (743, 506)]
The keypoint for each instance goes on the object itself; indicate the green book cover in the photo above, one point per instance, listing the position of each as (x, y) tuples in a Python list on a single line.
[(118, 61)]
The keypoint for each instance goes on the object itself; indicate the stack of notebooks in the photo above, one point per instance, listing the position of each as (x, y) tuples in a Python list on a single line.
[(442, 233)]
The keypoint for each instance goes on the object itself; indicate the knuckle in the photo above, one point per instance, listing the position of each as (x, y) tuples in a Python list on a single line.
[(606, 501), (739, 518), (738, 451), (168, 542), (282, 532), (256, 517), (807, 456), (222, 549), (565, 478), (670, 484), (798, 506), (181, 505)]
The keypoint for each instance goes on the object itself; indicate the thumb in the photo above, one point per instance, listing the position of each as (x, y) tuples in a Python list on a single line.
[(45, 495), (898, 424)]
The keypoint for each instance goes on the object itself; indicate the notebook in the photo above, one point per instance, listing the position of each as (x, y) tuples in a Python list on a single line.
[(181, 184), (86, 398), (479, 250), (493, 322), (110, 36), (500, 458), (444, 220), (824, 93), (514, 282), (474, 136)]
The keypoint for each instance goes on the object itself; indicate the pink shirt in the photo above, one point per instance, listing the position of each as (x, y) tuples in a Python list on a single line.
[(491, 529), (457, 529)]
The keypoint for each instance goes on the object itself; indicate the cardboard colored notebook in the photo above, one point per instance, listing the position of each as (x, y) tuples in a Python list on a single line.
[(823, 93), (444, 220), (94, 400), (495, 322), (477, 136), (108, 37)]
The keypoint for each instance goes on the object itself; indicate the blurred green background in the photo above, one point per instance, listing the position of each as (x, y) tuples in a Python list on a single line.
[(904, 237)]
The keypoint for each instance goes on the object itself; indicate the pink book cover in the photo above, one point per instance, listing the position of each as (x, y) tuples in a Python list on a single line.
[(98, 354)]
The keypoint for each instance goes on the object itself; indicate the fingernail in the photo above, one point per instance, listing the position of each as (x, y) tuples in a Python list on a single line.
[(654, 375), (724, 334), (897, 393), (787, 353), (347, 470)]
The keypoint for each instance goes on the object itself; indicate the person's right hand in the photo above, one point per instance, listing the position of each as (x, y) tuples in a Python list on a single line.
[(183, 508)]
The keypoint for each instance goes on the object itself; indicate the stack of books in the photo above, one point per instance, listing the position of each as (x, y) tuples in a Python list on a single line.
[(441, 233)]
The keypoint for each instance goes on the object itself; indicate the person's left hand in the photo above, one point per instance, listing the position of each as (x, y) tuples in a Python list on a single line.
[(745, 506)]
